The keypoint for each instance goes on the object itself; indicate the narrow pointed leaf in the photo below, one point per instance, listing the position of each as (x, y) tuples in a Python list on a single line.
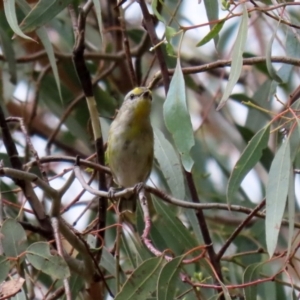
[(212, 34), (43, 12), (169, 164), (142, 282), (99, 17), (276, 194), (177, 118), (251, 273), (291, 210), (166, 285), (4, 267), (9, 53), (13, 238), (250, 156), (155, 11), (38, 254), (270, 67), (212, 13), (237, 58), (10, 13), (42, 34)]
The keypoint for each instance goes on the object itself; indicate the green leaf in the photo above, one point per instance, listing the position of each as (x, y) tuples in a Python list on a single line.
[(10, 13), (8, 50), (212, 12), (169, 164), (250, 156), (291, 210), (4, 267), (292, 47), (99, 17), (38, 254), (251, 273), (212, 34), (237, 58), (177, 118), (142, 282), (276, 194), (168, 277), (174, 230), (43, 12), (14, 239), (170, 32), (257, 119), (155, 11), (108, 262), (270, 68), (42, 34), (225, 291)]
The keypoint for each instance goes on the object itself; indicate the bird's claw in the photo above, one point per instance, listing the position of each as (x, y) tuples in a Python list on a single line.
[(111, 193), (138, 187)]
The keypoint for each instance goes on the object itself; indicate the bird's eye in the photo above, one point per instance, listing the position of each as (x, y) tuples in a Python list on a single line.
[(131, 96)]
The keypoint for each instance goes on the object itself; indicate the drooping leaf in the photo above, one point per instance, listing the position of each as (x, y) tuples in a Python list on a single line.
[(170, 32), (257, 119), (212, 34), (251, 273), (247, 160), (142, 282), (4, 267), (10, 13), (14, 239), (166, 285), (43, 12), (43, 36), (292, 46), (270, 67), (169, 164), (177, 118), (155, 11), (276, 194), (8, 50), (212, 12), (237, 58), (99, 17), (291, 211), (38, 254)]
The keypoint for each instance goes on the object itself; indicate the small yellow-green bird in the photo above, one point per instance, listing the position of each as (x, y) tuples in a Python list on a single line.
[(130, 143)]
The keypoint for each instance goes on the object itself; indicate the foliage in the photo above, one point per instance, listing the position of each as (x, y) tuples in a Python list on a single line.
[(221, 222)]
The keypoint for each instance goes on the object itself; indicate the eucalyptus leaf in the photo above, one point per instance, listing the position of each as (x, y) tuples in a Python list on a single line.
[(168, 277), (43, 12), (38, 254), (276, 194), (10, 13), (237, 58), (4, 267), (270, 67), (250, 156), (177, 118), (13, 238), (142, 282), (169, 164)]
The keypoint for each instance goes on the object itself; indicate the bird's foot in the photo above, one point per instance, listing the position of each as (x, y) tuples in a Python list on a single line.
[(138, 187), (112, 191)]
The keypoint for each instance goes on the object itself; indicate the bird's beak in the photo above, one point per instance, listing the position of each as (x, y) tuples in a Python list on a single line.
[(148, 95)]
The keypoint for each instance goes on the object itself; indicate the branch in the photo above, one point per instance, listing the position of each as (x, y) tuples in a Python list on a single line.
[(225, 63), (26, 187)]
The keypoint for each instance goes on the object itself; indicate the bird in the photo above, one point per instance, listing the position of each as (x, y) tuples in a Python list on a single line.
[(130, 144)]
